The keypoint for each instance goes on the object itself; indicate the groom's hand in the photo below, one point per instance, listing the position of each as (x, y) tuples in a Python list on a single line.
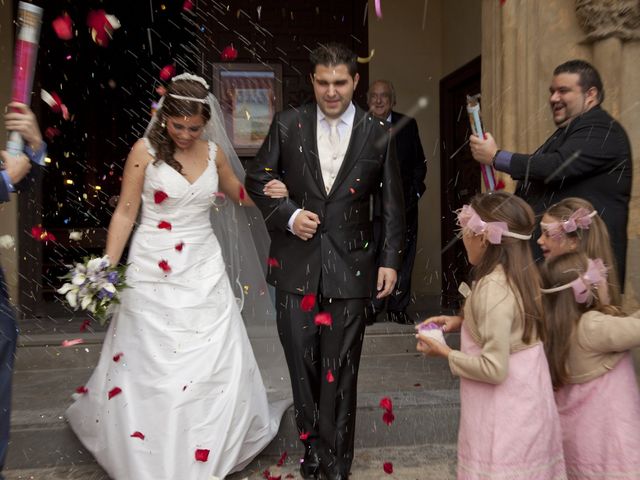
[(305, 224), (387, 278)]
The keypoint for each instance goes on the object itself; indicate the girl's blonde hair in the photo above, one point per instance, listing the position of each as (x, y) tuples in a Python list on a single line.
[(514, 255), (563, 312), (593, 241)]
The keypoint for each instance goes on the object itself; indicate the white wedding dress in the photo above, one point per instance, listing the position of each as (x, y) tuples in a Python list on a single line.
[(177, 352)]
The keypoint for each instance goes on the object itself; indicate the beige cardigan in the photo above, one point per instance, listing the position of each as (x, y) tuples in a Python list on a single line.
[(598, 344), (492, 316)]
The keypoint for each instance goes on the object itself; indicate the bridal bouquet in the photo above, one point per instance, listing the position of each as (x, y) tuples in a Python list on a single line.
[(94, 286)]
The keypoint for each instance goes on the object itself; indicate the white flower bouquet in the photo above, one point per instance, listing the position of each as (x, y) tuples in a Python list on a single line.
[(95, 286)]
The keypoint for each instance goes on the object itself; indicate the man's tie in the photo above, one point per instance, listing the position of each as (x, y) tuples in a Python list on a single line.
[(334, 135)]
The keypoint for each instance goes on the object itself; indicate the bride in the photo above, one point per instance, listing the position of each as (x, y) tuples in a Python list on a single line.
[(177, 393)]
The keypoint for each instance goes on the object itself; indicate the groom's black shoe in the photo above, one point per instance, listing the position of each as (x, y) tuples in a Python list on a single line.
[(310, 466)]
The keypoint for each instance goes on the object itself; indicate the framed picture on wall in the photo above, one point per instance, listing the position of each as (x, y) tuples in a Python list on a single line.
[(249, 95)]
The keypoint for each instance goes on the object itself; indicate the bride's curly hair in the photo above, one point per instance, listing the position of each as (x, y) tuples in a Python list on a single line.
[(176, 107)]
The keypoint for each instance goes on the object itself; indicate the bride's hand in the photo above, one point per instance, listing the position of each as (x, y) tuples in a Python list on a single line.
[(275, 189)]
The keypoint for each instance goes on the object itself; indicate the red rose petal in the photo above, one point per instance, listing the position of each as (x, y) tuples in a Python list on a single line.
[(388, 418), (323, 319), (242, 193), (283, 457), (330, 378), (36, 231), (273, 262), (179, 246), (308, 302), (304, 436), (165, 225), (51, 133), (167, 72), (229, 53), (386, 404), (117, 357), (159, 196), (82, 390), (114, 391), (500, 185), (164, 266), (202, 454), (63, 26), (137, 434), (85, 325), (187, 6), (388, 468)]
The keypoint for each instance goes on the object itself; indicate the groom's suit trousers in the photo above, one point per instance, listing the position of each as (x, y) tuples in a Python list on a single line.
[(323, 363)]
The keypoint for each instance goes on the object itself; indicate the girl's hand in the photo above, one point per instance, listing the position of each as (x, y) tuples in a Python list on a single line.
[(275, 189), (449, 323), (431, 347)]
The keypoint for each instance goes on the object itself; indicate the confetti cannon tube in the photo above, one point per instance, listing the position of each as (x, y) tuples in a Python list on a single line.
[(29, 21), (473, 109)]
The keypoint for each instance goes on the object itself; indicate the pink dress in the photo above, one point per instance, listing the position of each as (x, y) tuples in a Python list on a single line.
[(601, 425), (510, 431)]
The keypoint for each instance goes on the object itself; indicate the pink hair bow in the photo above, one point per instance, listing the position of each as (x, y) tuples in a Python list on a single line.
[(580, 219), (494, 231), (582, 286)]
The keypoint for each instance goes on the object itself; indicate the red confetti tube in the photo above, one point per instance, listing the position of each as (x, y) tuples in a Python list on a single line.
[(473, 109), (26, 52)]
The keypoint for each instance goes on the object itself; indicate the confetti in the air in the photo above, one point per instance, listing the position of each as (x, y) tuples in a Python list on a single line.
[(229, 53), (63, 26), (323, 319), (167, 72), (102, 26), (308, 302), (7, 241)]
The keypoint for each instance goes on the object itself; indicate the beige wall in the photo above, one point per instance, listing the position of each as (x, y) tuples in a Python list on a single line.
[(415, 50), (8, 211)]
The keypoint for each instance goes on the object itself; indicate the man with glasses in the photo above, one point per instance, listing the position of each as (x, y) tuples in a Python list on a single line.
[(413, 170)]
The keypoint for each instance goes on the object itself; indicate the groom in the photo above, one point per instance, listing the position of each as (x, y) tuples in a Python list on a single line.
[(333, 158)]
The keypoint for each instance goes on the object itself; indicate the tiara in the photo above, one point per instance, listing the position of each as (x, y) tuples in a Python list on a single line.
[(494, 231), (192, 77), (189, 99), (596, 275), (580, 219)]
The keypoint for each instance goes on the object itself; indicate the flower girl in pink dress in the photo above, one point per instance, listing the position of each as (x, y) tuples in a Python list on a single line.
[(509, 425), (591, 367)]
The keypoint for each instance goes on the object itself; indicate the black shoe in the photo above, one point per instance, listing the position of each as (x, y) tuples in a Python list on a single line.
[(310, 466), (399, 317)]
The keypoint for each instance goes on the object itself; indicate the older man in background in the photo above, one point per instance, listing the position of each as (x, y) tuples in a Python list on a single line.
[(413, 170)]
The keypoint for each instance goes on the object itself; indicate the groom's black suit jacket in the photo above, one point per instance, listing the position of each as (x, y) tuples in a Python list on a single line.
[(341, 254)]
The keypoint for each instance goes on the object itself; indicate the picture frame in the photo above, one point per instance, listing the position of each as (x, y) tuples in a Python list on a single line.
[(249, 94)]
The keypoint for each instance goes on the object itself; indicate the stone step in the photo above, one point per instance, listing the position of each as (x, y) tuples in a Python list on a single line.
[(45, 351), (425, 396), (435, 462)]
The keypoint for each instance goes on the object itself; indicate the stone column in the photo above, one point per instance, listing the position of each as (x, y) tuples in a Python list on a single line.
[(612, 29), (9, 210)]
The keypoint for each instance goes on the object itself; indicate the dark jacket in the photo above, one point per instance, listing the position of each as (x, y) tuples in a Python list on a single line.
[(413, 167), (590, 158), (341, 253)]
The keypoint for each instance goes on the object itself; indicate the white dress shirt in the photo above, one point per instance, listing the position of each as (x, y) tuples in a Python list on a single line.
[(331, 159)]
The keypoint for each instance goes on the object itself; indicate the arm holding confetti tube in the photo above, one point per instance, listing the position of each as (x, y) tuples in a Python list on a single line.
[(16, 169)]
